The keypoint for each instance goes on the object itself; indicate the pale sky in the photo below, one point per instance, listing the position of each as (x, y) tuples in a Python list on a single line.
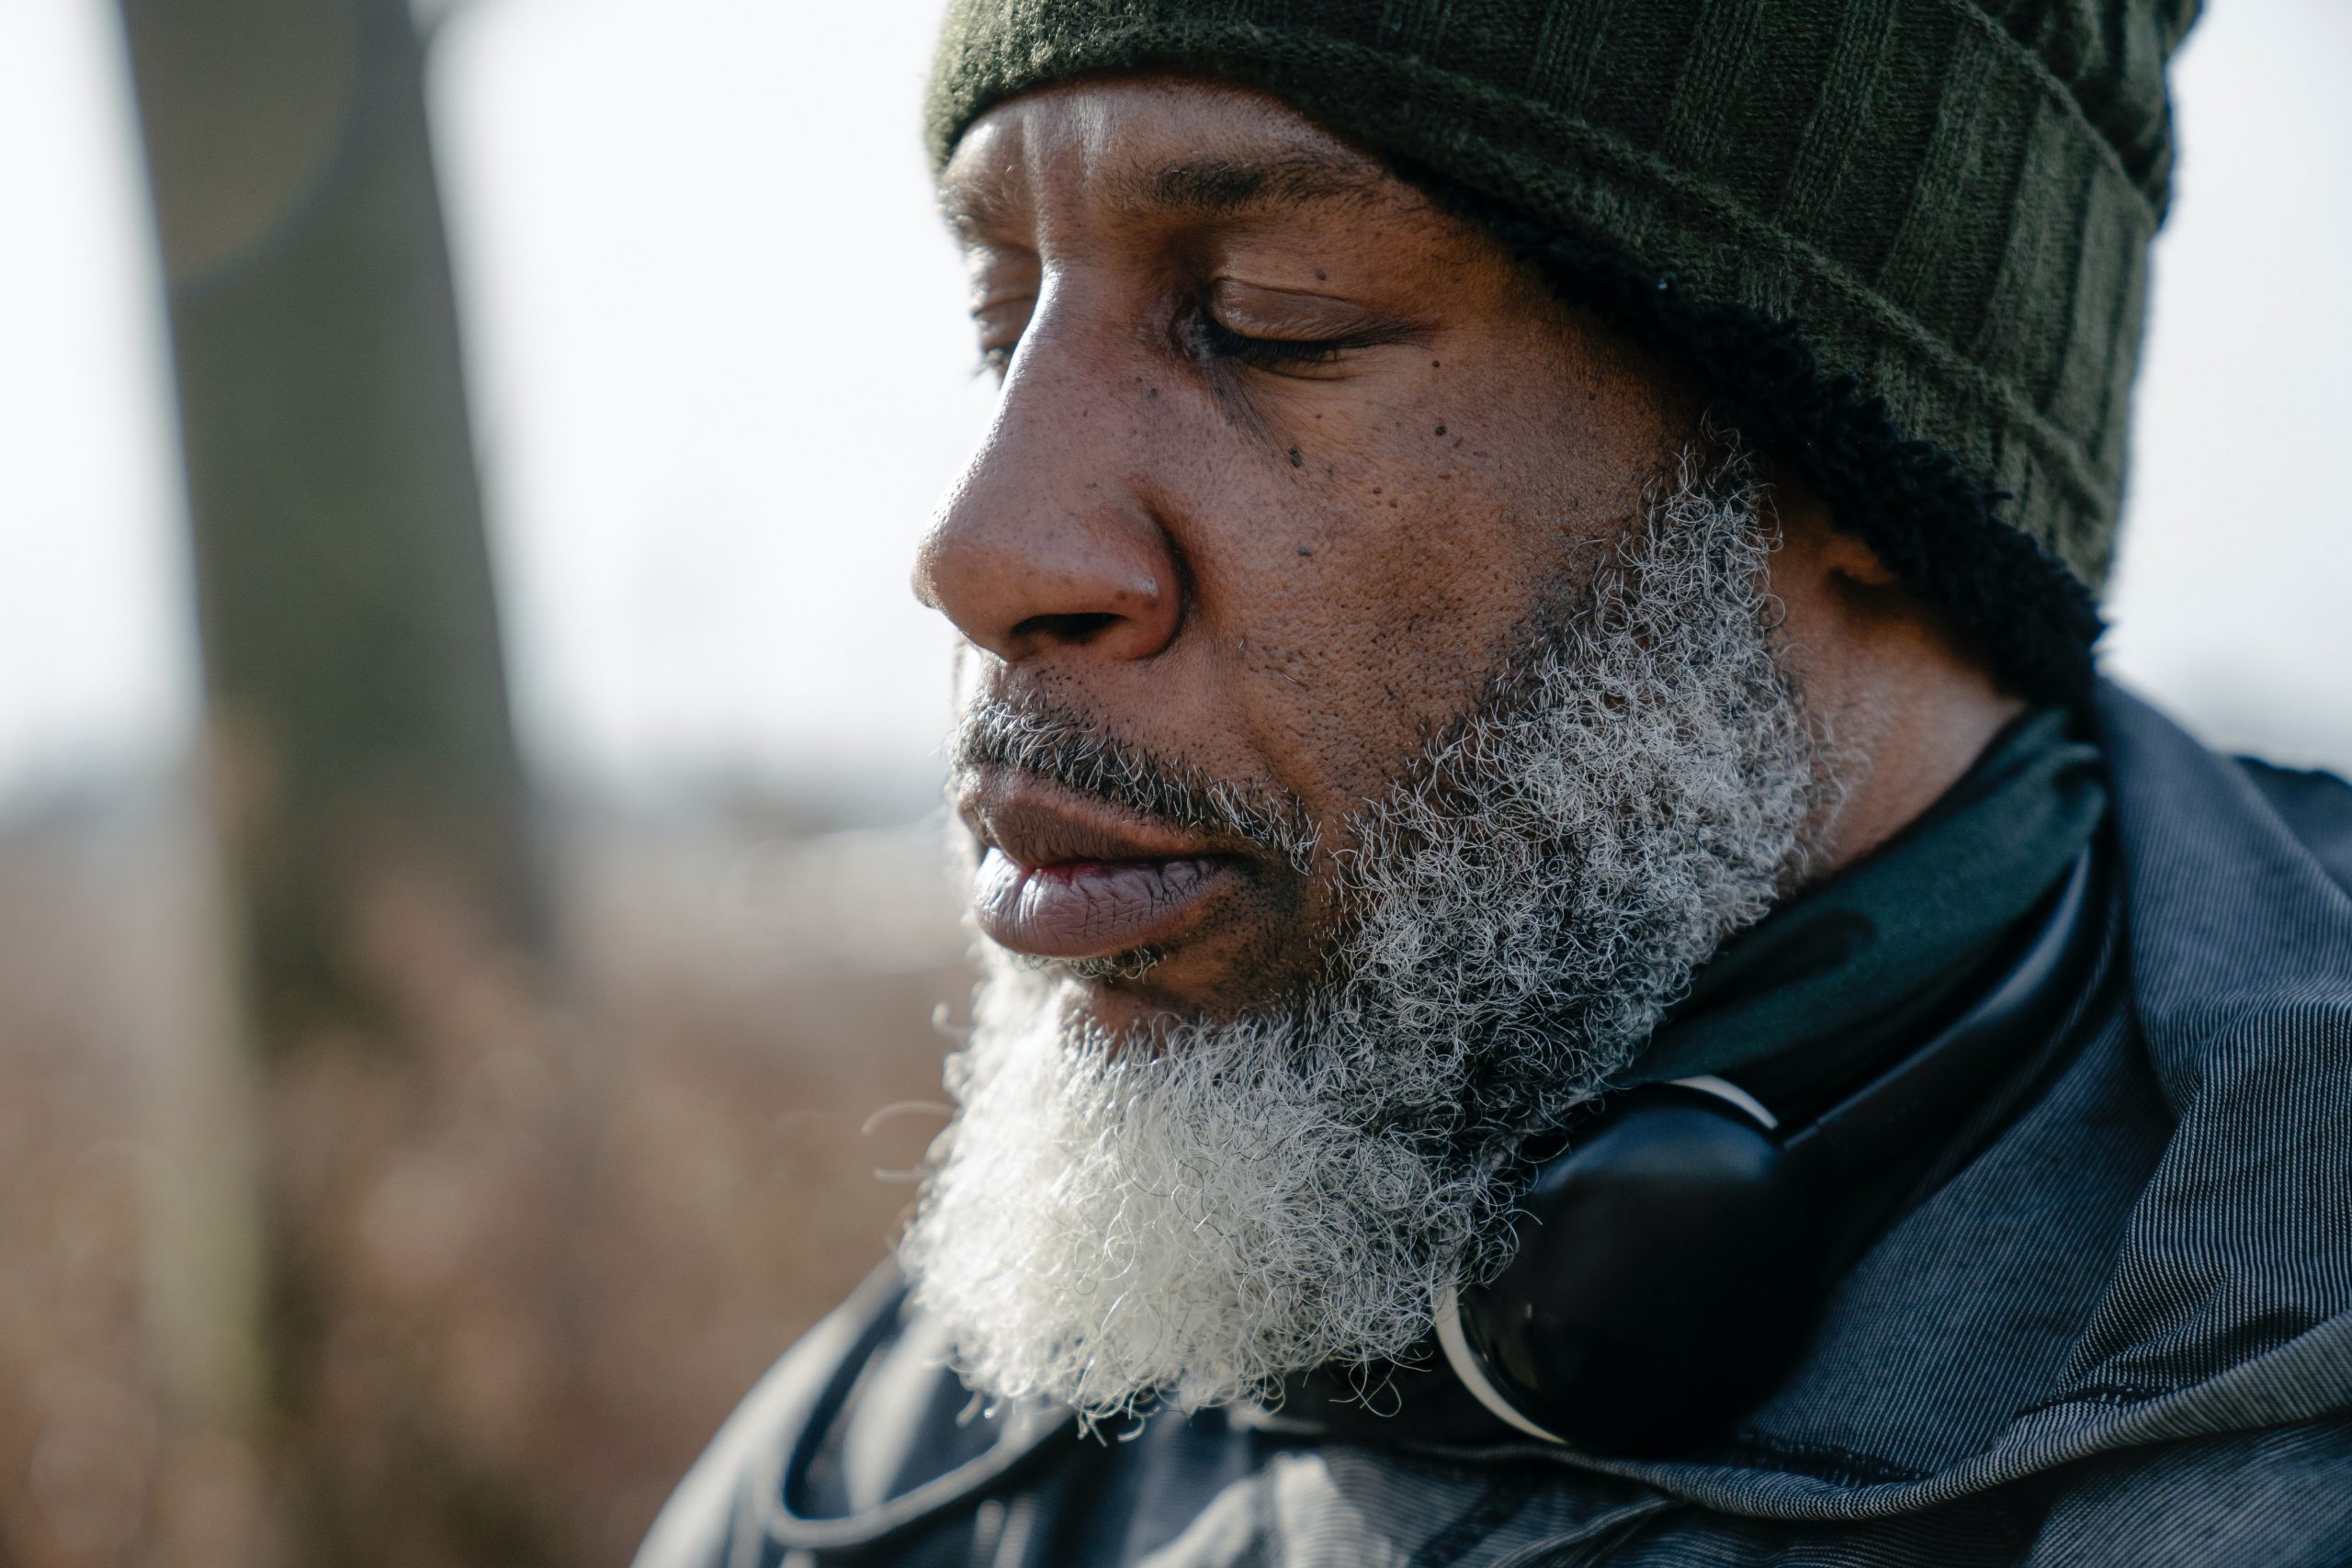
[(721, 371)]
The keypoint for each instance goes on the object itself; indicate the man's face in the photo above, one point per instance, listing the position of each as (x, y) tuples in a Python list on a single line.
[(1285, 462), (1370, 721)]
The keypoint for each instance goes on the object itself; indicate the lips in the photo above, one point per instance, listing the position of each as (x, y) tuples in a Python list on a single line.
[(1062, 877)]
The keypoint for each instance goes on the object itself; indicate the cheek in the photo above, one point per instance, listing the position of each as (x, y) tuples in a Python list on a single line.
[(1392, 566)]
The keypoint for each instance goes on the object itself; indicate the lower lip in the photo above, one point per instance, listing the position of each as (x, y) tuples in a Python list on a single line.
[(1091, 908)]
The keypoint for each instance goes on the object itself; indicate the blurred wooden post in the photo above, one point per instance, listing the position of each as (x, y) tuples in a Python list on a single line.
[(353, 675), (357, 704)]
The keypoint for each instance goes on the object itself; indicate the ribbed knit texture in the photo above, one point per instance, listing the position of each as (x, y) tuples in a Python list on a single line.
[(1952, 202)]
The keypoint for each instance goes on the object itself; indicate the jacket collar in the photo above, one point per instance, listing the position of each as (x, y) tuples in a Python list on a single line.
[(2161, 1247)]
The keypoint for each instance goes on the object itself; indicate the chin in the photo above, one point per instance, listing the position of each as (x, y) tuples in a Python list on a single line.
[(1117, 1004), (1211, 982), (1117, 1007)]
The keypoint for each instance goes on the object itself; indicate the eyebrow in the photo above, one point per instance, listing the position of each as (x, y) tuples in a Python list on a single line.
[(1217, 187), (1200, 187)]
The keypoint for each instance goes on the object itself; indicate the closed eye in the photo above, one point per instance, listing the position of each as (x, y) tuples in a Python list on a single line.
[(1270, 353), (1298, 357)]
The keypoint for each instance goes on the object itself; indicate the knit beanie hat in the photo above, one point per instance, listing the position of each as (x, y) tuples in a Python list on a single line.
[(1900, 244)]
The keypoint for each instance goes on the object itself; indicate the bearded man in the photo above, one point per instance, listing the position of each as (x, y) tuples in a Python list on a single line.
[(1577, 967)]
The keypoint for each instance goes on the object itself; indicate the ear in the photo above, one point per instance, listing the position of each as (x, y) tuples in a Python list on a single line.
[(1911, 704), (1817, 557), (1844, 555)]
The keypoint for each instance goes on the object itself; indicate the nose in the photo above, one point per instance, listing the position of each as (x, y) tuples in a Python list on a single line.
[(1046, 546)]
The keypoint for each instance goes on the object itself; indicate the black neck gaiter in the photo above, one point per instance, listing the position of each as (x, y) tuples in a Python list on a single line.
[(1816, 992)]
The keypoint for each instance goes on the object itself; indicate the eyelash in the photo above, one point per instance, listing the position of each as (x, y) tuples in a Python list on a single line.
[(1265, 353)]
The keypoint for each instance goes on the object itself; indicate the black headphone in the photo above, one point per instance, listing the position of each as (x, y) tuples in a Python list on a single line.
[(1674, 1260)]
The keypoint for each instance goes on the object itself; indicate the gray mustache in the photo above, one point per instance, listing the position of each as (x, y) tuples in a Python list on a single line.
[(1062, 748)]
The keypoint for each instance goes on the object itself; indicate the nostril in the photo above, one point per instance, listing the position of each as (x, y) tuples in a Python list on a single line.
[(1073, 630)]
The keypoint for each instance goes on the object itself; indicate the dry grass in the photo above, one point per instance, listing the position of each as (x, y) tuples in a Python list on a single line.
[(547, 1231)]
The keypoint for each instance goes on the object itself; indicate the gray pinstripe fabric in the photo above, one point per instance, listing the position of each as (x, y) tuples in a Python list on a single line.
[(2116, 1329)]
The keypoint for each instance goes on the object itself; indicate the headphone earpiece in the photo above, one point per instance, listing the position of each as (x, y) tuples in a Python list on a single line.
[(1673, 1262), (1669, 1267)]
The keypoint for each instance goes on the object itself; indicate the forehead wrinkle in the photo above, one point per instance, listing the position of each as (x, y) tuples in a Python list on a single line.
[(990, 199)]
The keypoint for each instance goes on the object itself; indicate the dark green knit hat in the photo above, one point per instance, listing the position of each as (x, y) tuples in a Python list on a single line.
[(1906, 238)]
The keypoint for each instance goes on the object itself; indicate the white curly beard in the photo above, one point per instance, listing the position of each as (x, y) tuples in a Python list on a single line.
[(1104, 1225)]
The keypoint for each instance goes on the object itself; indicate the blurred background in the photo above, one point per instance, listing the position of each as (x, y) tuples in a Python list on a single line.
[(471, 920)]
